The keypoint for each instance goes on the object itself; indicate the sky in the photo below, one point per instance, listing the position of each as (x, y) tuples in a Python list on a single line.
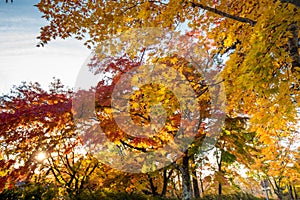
[(21, 60)]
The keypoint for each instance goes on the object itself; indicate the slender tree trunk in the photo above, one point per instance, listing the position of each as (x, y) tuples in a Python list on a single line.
[(153, 188), (186, 180), (196, 185), (219, 160), (295, 192), (166, 180), (195, 180), (220, 189), (293, 47), (201, 180), (278, 191), (291, 192), (179, 180), (202, 187), (176, 186), (280, 196), (165, 184)]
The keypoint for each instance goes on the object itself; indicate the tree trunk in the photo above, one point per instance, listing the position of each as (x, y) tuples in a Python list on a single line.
[(219, 161), (195, 180), (165, 183), (202, 187), (295, 192), (293, 47), (291, 192), (153, 188), (179, 180), (220, 189), (278, 190), (201, 180), (186, 180)]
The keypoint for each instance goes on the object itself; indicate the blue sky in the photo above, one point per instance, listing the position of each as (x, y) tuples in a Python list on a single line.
[(21, 60)]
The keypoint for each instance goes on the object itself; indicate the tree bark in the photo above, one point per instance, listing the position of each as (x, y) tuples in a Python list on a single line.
[(201, 180), (220, 189), (219, 162), (224, 14), (166, 177), (291, 192), (295, 192), (293, 47), (186, 180), (165, 184), (195, 179), (278, 190), (202, 187), (152, 186)]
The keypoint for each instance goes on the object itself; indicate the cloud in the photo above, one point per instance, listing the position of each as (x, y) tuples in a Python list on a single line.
[(21, 60)]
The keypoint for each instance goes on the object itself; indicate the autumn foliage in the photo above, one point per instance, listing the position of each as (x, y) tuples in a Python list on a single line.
[(249, 48)]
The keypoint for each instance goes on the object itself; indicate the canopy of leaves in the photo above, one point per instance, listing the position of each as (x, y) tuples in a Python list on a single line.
[(32, 120), (258, 38)]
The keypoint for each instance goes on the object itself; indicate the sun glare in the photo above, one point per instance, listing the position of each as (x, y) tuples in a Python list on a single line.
[(41, 156)]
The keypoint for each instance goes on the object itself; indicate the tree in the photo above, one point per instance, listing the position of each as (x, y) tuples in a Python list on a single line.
[(261, 49), (69, 169), (32, 121), (140, 103), (260, 38), (234, 147), (280, 168), (221, 22), (161, 182), (37, 122)]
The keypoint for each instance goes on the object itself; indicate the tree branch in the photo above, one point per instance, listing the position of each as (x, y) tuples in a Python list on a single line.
[(178, 167), (133, 147), (293, 47), (224, 14), (294, 2)]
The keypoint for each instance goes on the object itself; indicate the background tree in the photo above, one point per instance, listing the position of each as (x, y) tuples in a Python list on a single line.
[(41, 146), (32, 121)]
